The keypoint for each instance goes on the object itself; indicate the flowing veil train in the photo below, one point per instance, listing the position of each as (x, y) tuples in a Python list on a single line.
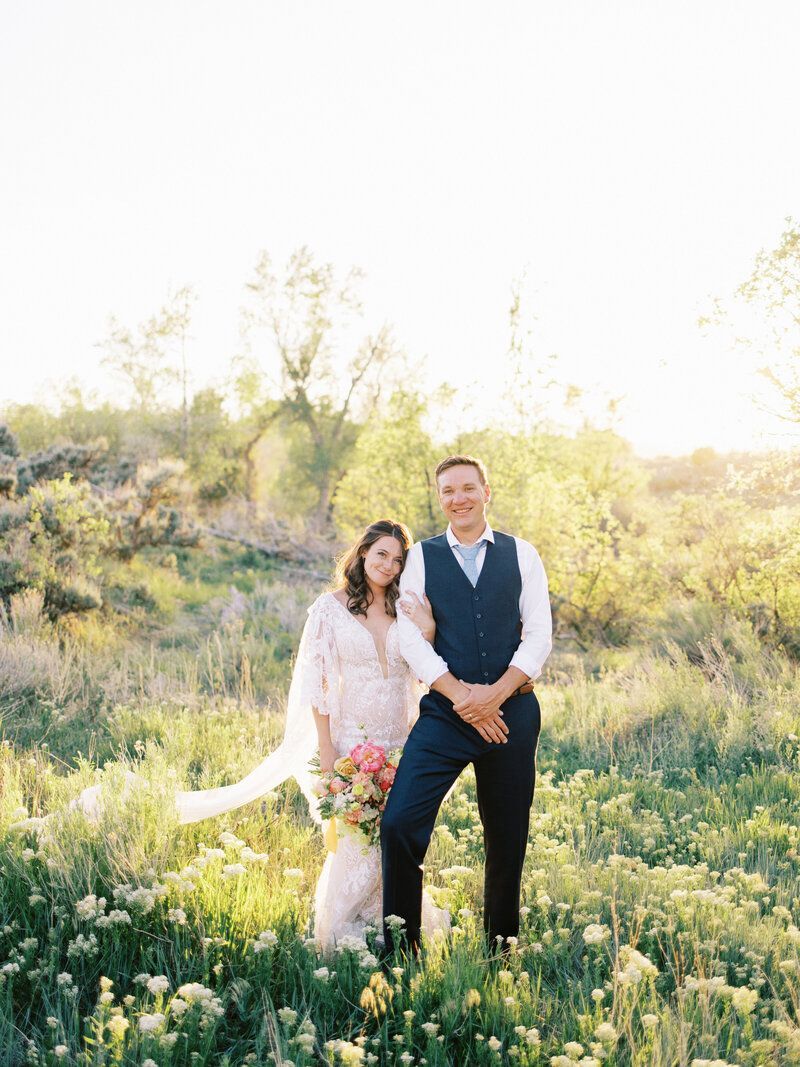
[(289, 760)]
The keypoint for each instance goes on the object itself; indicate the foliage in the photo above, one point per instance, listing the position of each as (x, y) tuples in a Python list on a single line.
[(9, 450), (391, 472), (730, 552), (774, 289), (659, 919), (214, 448), (52, 540), (307, 313), (58, 460), (9, 445), (151, 358), (151, 511)]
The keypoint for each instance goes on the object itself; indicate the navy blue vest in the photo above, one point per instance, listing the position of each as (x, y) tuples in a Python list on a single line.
[(477, 630)]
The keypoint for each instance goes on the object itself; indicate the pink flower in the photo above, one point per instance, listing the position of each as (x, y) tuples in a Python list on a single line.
[(337, 785), (368, 757), (386, 777)]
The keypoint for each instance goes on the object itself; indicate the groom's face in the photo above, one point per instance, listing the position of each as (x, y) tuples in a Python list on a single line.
[(463, 498)]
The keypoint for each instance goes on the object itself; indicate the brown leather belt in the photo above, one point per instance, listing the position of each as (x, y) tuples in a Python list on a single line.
[(526, 687)]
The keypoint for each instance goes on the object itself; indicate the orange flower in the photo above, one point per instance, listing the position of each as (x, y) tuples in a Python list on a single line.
[(345, 767)]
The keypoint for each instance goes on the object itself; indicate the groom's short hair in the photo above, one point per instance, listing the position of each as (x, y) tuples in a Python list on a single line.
[(465, 461)]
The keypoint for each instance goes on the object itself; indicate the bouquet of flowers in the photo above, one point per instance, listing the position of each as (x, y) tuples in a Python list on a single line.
[(354, 793)]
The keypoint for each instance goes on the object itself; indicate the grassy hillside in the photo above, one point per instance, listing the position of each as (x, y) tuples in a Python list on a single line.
[(661, 912)]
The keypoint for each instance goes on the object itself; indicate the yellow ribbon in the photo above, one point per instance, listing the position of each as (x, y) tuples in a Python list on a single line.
[(331, 836)]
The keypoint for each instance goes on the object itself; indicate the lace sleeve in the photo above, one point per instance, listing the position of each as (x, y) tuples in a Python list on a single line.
[(317, 665)]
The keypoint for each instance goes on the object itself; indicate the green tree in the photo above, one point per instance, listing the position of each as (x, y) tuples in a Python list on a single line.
[(152, 510), (152, 358), (214, 448), (391, 472), (565, 495), (9, 450), (326, 378), (53, 540), (773, 288)]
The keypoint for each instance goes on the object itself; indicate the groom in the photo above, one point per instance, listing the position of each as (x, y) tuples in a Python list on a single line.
[(489, 597)]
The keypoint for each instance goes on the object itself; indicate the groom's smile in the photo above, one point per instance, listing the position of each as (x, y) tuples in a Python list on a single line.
[(463, 498)]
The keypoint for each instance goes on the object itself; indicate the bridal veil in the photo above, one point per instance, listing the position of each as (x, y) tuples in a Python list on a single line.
[(315, 683)]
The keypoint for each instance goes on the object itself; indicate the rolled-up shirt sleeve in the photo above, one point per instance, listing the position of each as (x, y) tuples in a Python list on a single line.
[(534, 610), (418, 653)]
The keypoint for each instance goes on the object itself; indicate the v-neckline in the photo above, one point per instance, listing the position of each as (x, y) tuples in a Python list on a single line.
[(366, 629)]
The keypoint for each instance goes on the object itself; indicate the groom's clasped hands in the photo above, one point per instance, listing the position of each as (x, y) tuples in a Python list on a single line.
[(480, 707)]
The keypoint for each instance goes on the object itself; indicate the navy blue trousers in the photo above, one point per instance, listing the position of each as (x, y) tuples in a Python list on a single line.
[(438, 749)]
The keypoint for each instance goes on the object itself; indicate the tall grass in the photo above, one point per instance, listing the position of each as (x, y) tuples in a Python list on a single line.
[(661, 915)]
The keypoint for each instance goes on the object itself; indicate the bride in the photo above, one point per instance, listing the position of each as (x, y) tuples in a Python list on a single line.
[(359, 687), (352, 684)]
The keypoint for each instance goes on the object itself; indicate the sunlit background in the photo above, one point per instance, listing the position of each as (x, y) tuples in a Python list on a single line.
[(582, 223), (627, 161)]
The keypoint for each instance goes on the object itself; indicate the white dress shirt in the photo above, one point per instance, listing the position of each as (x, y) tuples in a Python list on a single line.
[(534, 611)]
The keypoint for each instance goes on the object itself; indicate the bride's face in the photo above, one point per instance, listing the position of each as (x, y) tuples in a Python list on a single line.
[(383, 561)]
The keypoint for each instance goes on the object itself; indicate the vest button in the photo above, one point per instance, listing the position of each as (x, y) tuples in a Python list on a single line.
[(483, 653), (480, 634), (476, 597), (478, 616), (485, 674)]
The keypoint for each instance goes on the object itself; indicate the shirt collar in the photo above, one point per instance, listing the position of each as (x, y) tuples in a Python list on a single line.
[(452, 540)]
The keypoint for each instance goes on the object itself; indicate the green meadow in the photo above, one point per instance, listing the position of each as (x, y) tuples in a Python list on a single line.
[(660, 902), (157, 559)]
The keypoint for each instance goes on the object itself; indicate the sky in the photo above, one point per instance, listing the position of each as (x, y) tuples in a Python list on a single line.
[(630, 158)]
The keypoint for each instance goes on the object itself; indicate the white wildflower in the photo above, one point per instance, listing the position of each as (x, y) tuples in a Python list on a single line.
[(90, 906), (745, 1000), (149, 1023), (606, 1033), (82, 946), (232, 870), (266, 939), (595, 933), (116, 917), (117, 1024)]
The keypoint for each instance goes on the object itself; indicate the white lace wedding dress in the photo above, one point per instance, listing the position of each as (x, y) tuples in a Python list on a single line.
[(365, 696), (339, 671)]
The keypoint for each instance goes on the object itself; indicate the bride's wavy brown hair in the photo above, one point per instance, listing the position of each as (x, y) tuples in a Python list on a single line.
[(350, 574)]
